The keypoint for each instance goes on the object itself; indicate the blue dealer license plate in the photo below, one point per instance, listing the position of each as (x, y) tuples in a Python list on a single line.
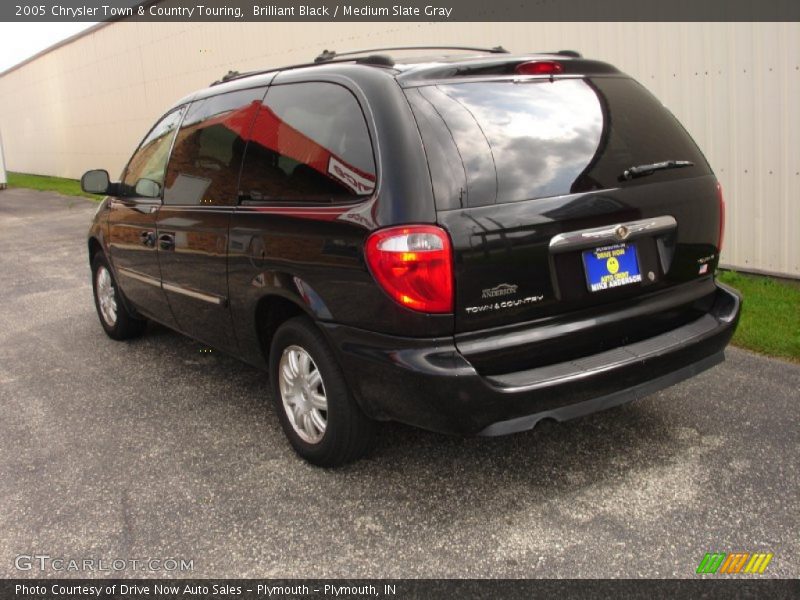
[(611, 267)]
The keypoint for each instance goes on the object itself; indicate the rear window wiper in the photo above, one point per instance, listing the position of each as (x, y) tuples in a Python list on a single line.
[(642, 170)]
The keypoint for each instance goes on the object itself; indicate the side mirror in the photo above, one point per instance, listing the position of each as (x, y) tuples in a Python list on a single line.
[(95, 182), (147, 188)]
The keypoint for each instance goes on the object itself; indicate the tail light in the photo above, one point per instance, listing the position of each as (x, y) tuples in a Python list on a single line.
[(539, 67), (721, 216), (414, 265)]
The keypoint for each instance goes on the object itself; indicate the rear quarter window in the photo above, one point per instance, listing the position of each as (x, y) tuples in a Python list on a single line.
[(309, 144), (539, 138)]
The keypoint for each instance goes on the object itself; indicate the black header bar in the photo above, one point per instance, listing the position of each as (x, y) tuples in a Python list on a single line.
[(400, 10)]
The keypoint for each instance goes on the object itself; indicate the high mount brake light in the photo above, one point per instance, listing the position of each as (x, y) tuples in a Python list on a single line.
[(414, 265), (539, 67)]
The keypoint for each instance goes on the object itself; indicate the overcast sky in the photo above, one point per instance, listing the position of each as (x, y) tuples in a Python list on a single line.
[(19, 41)]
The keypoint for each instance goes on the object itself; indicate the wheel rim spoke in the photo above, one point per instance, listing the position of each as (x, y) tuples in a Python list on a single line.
[(293, 364), (288, 376), (318, 420), (318, 401), (314, 379), (303, 362), (308, 425)]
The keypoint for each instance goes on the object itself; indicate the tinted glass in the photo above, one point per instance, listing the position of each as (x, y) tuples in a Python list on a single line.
[(205, 162), (146, 169), (519, 141), (309, 143)]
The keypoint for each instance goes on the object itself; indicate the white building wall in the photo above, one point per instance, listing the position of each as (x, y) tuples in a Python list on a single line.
[(3, 176), (735, 86)]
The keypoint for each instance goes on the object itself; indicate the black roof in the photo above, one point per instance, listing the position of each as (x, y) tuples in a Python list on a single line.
[(415, 69)]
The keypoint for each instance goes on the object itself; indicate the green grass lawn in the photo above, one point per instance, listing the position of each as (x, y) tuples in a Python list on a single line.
[(770, 322), (68, 187)]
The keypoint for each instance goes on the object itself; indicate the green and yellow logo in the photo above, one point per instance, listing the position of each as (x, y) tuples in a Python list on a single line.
[(737, 562)]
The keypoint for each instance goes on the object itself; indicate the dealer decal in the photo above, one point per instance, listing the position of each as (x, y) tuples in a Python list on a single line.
[(504, 289), (358, 182)]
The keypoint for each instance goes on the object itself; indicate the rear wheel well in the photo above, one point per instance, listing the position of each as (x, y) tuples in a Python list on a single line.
[(271, 313)]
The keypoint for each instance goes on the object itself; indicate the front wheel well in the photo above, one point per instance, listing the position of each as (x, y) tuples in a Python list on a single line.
[(94, 248), (271, 313)]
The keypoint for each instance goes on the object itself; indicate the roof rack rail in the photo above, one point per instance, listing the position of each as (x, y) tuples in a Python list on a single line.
[(227, 77), (329, 55), (380, 60)]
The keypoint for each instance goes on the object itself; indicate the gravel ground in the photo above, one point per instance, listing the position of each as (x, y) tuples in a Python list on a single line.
[(153, 448)]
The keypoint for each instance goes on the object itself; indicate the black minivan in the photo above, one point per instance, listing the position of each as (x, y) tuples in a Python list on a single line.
[(468, 243)]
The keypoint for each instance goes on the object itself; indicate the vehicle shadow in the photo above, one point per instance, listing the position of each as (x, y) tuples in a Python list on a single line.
[(554, 458)]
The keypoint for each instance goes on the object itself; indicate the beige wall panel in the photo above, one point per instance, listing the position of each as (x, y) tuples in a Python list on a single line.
[(735, 86)]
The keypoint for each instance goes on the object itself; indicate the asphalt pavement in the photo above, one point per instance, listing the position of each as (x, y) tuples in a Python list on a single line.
[(157, 449)]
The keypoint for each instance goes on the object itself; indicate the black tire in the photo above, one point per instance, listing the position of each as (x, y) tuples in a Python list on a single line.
[(125, 326), (348, 432)]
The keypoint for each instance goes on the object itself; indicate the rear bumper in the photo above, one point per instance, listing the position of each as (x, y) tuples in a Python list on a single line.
[(429, 384)]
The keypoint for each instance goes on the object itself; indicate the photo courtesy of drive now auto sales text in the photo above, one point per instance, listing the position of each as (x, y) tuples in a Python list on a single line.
[(215, 590)]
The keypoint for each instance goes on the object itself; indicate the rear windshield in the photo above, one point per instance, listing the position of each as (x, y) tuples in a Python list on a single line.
[(497, 142)]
